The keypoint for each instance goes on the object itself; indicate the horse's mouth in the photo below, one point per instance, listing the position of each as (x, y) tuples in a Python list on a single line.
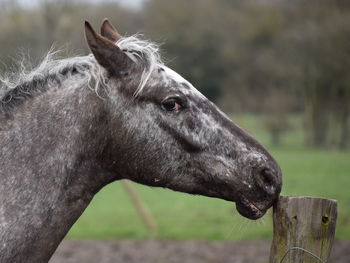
[(249, 209)]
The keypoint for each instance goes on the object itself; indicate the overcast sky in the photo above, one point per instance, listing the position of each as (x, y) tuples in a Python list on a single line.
[(132, 3)]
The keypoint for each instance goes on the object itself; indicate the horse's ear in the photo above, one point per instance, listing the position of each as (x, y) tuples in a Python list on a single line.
[(107, 54), (108, 31)]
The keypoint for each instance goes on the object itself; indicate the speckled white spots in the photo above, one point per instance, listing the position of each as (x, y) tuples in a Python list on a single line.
[(247, 184), (256, 157), (241, 145), (3, 222)]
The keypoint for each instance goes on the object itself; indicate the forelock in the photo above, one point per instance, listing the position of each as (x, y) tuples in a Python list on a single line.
[(143, 52)]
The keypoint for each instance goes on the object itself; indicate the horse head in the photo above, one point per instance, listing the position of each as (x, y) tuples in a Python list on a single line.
[(164, 132)]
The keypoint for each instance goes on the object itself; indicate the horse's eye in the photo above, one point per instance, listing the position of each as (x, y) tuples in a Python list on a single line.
[(172, 104)]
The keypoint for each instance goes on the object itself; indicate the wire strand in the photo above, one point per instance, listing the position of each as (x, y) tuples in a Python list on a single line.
[(304, 250)]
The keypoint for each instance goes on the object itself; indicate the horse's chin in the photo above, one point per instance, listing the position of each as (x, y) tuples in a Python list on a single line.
[(248, 209)]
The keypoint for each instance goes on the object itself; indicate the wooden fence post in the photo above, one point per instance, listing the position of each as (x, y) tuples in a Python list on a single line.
[(303, 222)]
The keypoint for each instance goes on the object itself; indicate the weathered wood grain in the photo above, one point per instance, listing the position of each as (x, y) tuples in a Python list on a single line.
[(305, 222)]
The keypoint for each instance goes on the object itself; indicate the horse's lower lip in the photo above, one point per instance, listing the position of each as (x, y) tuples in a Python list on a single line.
[(248, 209)]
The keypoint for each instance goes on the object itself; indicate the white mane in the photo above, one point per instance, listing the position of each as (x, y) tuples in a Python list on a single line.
[(139, 50), (50, 65)]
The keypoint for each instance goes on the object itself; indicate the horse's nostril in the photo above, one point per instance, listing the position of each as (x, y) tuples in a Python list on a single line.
[(266, 180), (267, 177)]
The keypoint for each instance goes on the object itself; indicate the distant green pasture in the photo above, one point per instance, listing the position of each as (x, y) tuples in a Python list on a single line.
[(310, 172)]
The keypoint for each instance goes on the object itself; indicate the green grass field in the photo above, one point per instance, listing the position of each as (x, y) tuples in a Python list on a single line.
[(320, 173)]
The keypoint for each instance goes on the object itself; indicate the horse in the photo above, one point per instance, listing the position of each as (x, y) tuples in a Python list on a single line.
[(71, 126)]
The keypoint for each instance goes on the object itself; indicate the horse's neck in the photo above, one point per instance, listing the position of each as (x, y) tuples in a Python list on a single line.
[(48, 173)]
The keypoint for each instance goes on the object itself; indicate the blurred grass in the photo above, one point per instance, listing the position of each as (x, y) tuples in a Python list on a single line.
[(312, 172)]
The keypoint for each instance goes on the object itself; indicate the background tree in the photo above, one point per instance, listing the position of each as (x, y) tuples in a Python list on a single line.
[(273, 59)]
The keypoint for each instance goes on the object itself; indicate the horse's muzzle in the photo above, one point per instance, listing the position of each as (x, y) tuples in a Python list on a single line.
[(263, 193)]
